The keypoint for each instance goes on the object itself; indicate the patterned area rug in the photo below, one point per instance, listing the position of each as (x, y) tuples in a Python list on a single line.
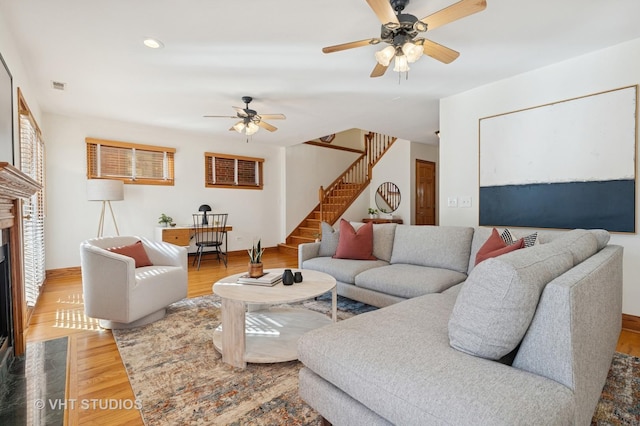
[(179, 377)]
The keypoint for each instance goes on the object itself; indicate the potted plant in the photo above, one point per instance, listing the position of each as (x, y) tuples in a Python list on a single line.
[(255, 260), (166, 220), (373, 213)]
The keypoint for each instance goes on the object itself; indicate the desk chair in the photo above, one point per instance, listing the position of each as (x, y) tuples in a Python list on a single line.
[(210, 234)]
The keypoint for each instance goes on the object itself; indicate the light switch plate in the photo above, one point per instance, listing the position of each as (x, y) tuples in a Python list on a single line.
[(465, 201), (452, 202)]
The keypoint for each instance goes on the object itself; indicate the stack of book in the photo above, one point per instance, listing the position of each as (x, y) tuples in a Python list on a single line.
[(268, 279)]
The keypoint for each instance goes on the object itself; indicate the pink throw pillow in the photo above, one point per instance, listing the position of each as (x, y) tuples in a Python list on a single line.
[(136, 251), (355, 245), (495, 246)]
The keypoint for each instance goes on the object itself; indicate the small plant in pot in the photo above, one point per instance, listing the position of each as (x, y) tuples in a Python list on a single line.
[(164, 219), (373, 213), (255, 260)]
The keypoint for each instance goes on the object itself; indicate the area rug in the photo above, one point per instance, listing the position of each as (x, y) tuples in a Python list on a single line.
[(178, 377)]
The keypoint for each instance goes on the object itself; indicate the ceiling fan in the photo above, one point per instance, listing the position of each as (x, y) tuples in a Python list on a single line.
[(250, 120), (399, 31)]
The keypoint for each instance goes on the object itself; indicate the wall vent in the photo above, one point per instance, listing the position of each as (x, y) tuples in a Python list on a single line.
[(58, 85)]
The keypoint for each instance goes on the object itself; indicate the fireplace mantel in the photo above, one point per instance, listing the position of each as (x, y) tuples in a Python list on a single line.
[(15, 186)]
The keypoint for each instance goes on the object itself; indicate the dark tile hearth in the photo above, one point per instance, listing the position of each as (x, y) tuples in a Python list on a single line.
[(33, 392)]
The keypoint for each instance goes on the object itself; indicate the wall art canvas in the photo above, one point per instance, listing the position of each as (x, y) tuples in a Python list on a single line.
[(570, 164)]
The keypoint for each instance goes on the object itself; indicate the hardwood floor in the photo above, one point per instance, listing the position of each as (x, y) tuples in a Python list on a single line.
[(98, 390)]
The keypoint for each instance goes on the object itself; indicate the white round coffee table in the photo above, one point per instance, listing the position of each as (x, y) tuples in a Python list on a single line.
[(269, 334)]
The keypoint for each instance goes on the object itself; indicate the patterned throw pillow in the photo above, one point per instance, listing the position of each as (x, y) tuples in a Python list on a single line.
[(508, 237)]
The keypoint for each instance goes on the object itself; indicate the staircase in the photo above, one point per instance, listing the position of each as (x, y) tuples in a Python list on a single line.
[(337, 197)]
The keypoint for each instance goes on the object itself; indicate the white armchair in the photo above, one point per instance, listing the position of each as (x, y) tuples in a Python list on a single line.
[(123, 296)]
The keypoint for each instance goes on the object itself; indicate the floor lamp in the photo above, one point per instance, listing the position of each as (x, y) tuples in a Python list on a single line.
[(105, 190)]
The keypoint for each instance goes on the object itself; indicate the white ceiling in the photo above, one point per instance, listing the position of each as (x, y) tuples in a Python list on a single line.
[(216, 52)]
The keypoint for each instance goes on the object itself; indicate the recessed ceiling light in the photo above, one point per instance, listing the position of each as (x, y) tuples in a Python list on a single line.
[(153, 43)]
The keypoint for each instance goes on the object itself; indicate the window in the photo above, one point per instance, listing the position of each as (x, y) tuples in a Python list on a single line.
[(130, 162), (33, 209), (231, 171)]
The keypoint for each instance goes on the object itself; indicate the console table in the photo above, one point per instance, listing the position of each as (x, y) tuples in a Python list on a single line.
[(381, 220)]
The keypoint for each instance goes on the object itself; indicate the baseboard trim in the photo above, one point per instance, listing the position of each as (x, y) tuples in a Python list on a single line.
[(631, 322), (72, 272)]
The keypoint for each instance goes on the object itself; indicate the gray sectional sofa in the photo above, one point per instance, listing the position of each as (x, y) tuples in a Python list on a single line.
[(524, 338)]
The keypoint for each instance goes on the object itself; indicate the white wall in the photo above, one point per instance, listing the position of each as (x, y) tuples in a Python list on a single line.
[(307, 168), (394, 166), (71, 218), (611, 68)]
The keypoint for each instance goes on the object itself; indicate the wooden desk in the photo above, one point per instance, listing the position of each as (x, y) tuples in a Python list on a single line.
[(381, 220), (182, 235)]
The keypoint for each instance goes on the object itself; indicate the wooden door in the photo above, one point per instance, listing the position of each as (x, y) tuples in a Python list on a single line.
[(425, 192)]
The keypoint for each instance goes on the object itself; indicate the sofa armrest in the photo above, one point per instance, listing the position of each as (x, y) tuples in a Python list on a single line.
[(107, 279), (165, 254), (307, 251)]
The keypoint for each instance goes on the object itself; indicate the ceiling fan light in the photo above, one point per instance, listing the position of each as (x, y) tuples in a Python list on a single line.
[(239, 126), (401, 64), (385, 55), (412, 51), (251, 128)]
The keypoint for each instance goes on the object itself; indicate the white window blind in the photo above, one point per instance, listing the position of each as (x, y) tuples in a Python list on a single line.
[(32, 157), (132, 163)]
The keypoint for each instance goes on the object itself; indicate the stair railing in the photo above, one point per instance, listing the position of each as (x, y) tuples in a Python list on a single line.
[(358, 174)]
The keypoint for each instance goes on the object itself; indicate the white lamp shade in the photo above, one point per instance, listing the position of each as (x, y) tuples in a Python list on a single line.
[(105, 190)]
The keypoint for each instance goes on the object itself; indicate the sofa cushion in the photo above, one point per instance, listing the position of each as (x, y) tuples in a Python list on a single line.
[(446, 247), (409, 281), (397, 362), (136, 251), (329, 241), (496, 303), (496, 246), (354, 244), (344, 270), (580, 243), (383, 235)]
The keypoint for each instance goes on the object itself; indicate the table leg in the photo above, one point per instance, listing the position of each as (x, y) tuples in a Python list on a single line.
[(334, 304), (233, 333)]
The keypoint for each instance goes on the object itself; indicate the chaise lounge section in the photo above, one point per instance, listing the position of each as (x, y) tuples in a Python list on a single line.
[(526, 338)]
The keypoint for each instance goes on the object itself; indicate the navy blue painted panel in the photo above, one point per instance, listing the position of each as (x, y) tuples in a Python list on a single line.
[(605, 204)]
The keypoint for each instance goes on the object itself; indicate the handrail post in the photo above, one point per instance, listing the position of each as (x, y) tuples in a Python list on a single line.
[(321, 199)]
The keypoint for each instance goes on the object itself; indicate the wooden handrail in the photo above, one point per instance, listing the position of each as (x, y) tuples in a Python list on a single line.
[(359, 172)]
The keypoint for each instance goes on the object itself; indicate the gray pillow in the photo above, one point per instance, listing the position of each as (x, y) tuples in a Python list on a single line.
[(329, 242), (497, 302)]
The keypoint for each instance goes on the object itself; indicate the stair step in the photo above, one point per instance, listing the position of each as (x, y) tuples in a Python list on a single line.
[(297, 239), (308, 231), (288, 249)]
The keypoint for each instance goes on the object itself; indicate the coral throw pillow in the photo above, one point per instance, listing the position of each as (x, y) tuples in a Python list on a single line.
[(355, 245), (136, 251), (495, 246)]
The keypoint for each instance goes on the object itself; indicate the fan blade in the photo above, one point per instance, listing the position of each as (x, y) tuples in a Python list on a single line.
[(267, 126), (453, 13), (383, 11), (439, 52), (241, 112), (220, 116), (351, 45), (273, 116), (379, 70)]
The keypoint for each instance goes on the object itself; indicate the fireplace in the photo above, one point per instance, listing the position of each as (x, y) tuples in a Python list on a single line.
[(14, 185), (6, 315)]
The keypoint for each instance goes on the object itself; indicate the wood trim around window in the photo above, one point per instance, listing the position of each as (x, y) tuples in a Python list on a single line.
[(209, 166)]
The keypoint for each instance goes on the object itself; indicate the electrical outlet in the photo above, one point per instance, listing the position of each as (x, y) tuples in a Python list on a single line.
[(452, 202), (465, 201)]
